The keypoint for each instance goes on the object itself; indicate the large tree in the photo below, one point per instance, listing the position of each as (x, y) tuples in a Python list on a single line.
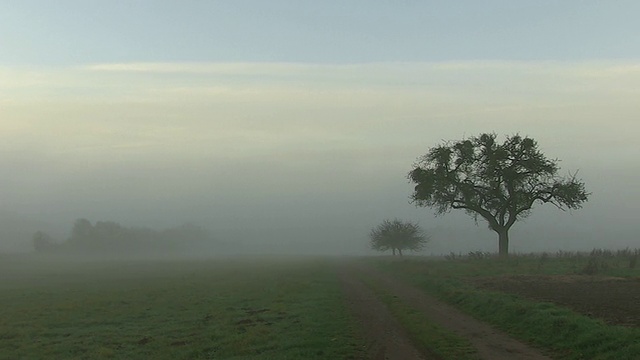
[(397, 236), (500, 182)]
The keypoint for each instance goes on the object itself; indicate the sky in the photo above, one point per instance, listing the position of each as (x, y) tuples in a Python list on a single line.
[(291, 125)]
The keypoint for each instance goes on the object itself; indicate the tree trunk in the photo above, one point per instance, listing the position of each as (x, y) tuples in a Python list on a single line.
[(503, 242)]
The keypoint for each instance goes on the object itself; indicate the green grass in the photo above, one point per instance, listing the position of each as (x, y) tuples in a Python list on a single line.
[(175, 310), (567, 334), (430, 337)]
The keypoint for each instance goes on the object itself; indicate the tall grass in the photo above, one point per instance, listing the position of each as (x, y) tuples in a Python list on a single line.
[(622, 263)]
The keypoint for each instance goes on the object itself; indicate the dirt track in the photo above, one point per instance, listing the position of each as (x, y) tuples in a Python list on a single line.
[(387, 338)]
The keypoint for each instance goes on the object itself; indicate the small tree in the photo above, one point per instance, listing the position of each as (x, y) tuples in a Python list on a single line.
[(42, 242), (397, 235), (498, 182)]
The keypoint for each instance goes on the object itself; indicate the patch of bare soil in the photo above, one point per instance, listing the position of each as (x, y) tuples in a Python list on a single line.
[(614, 300), (386, 338), (491, 344)]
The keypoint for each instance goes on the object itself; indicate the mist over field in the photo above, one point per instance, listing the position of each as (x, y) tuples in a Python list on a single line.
[(323, 206), (304, 171), (304, 150), (211, 179)]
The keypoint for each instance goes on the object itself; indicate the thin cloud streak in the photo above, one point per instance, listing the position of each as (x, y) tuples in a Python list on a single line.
[(204, 68), (284, 68), (145, 82)]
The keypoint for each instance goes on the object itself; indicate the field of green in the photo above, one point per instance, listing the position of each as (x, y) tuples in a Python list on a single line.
[(289, 308), (562, 331), (242, 309)]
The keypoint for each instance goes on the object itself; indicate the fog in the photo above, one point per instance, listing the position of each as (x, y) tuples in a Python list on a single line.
[(311, 167), (305, 152)]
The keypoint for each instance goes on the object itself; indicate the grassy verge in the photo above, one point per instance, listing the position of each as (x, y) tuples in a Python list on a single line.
[(428, 336), (568, 334), (176, 310)]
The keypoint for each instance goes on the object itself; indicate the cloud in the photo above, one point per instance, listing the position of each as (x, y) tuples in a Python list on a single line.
[(499, 83), (239, 109), (205, 68)]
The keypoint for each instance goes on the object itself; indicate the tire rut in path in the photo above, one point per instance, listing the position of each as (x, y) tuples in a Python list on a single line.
[(490, 343), (386, 338)]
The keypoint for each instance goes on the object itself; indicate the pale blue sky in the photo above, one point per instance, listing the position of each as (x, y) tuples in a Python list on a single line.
[(71, 32), (288, 122)]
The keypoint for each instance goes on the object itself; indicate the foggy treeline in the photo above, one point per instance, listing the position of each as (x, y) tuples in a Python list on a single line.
[(110, 239)]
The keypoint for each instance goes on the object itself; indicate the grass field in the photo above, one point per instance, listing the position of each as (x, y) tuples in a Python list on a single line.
[(575, 306), (557, 323), (248, 309)]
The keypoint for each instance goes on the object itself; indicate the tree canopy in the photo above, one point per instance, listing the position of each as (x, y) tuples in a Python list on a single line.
[(397, 235), (500, 182)]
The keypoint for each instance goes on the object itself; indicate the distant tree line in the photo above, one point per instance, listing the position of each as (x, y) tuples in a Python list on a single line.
[(108, 238)]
